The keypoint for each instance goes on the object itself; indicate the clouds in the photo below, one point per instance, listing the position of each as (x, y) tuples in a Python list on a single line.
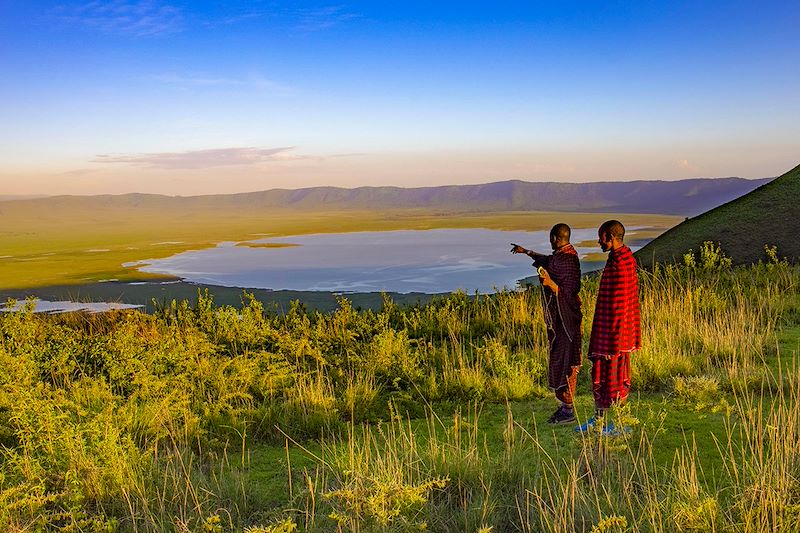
[(79, 172), (148, 18), (313, 20), (253, 81), (137, 18), (685, 164), (301, 19), (200, 159)]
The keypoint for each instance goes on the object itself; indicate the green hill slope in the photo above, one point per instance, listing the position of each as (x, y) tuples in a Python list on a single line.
[(768, 215)]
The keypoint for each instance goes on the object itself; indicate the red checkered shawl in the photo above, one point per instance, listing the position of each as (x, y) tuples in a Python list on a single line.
[(616, 326)]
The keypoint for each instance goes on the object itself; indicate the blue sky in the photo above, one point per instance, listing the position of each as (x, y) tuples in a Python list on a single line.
[(183, 97)]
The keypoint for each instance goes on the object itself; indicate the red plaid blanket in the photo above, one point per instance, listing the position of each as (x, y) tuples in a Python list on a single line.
[(616, 326)]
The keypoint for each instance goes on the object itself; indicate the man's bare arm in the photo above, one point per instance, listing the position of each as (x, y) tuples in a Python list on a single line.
[(517, 249)]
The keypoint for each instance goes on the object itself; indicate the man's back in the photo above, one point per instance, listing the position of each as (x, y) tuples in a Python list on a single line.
[(616, 326)]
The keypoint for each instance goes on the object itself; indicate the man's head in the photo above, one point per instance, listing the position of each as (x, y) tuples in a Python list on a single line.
[(559, 235), (610, 235)]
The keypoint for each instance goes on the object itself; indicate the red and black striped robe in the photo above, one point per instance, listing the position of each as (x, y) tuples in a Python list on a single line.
[(616, 328)]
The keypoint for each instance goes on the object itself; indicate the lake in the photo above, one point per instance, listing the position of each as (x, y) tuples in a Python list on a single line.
[(46, 306), (427, 261)]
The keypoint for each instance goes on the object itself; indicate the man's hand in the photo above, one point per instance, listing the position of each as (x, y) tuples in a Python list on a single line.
[(517, 249), (544, 276), (547, 281)]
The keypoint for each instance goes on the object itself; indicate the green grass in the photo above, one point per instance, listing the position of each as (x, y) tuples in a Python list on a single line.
[(207, 418), (770, 215)]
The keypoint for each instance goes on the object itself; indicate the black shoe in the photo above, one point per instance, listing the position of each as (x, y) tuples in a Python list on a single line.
[(562, 415)]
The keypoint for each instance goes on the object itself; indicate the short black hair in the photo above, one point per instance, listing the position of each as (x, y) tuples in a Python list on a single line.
[(561, 232), (613, 228)]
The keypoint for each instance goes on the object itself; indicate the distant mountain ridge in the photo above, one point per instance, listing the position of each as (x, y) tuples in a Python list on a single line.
[(769, 215), (5, 197), (684, 197)]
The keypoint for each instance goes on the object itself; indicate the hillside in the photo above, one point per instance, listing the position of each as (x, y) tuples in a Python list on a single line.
[(684, 197), (768, 215)]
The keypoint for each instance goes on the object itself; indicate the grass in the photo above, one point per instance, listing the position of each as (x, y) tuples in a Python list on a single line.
[(595, 257), (201, 417), (768, 214), (56, 246)]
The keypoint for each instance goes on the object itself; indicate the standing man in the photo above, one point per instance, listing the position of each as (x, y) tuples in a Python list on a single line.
[(560, 276), (616, 328)]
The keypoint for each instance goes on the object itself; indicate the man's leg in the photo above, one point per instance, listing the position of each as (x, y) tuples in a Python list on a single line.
[(612, 380), (600, 391), (600, 385), (565, 394), (622, 377), (611, 383)]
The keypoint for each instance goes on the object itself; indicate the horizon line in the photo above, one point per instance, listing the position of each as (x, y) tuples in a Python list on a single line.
[(32, 196)]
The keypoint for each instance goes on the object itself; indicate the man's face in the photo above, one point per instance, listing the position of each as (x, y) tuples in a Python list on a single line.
[(604, 240)]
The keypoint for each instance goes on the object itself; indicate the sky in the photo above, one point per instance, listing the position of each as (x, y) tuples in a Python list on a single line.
[(193, 97)]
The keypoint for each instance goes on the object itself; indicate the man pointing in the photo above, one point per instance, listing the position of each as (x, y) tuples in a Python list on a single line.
[(560, 275)]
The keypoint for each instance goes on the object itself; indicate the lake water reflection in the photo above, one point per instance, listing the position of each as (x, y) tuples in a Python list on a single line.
[(429, 261), (45, 306)]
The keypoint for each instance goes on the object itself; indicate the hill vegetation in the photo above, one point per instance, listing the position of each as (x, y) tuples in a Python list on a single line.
[(769, 215)]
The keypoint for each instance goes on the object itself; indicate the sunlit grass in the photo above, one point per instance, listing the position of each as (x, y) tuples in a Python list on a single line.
[(208, 418)]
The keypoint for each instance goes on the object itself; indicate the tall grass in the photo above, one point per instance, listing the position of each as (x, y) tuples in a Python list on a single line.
[(135, 422), (445, 477)]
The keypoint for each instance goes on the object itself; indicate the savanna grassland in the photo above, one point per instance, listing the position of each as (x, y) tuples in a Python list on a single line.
[(208, 418)]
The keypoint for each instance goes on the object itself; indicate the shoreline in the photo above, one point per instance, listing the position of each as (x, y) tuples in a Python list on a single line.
[(144, 291)]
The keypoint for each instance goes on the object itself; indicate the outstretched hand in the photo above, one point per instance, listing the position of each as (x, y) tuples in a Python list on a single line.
[(517, 249)]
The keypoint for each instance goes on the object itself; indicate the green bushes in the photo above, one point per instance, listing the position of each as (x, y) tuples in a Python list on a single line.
[(127, 421)]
